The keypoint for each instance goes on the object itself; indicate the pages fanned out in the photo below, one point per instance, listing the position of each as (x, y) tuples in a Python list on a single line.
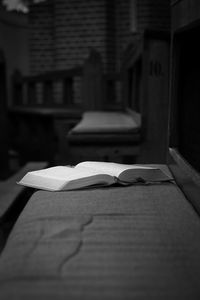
[(91, 173)]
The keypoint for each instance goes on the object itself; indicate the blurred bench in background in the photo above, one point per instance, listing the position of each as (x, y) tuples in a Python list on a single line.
[(143, 83), (106, 136), (47, 106)]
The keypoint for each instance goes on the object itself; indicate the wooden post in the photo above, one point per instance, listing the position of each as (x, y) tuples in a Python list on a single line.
[(93, 87), (17, 88), (4, 167), (155, 98)]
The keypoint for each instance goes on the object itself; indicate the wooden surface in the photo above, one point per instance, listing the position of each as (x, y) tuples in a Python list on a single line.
[(184, 83), (45, 111), (186, 177), (9, 190), (4, 168), (103, 122), (184, 13), (93, 95), (184, 126), (39, 90), (136, 242), (105, 136), (145, 73), (155, 97)]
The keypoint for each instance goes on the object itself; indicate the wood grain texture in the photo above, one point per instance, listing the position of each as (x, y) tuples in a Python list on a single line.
[(138, 242), (184, 13)]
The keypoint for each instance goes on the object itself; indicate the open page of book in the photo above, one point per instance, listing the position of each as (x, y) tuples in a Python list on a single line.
[(110, 168), (126, 173), (64, 178)]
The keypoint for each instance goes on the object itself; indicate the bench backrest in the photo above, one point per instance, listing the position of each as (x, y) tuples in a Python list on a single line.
[(84, 87)]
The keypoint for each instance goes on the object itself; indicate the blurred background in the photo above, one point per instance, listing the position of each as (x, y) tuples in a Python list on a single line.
[(60, 59)]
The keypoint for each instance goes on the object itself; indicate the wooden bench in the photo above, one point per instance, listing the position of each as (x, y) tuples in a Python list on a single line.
[(49, 104), (144, 83), (43, 105), (105, 132), (41, 101), (104, 243), (135, 242), (105, 136)]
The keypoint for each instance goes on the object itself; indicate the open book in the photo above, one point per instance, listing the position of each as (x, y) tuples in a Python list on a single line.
[(91, 173)]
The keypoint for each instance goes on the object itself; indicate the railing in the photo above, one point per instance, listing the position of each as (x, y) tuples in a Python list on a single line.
[(40, 90), (85, 87)]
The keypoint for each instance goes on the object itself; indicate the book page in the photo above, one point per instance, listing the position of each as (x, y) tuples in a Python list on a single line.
[(143, 175), (113, 169), (65, 173)]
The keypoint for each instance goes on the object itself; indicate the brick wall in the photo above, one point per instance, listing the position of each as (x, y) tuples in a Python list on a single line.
[(110, 35), (123, 33), (41, 39), (79, 25), (63, 31), (153, 14)]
